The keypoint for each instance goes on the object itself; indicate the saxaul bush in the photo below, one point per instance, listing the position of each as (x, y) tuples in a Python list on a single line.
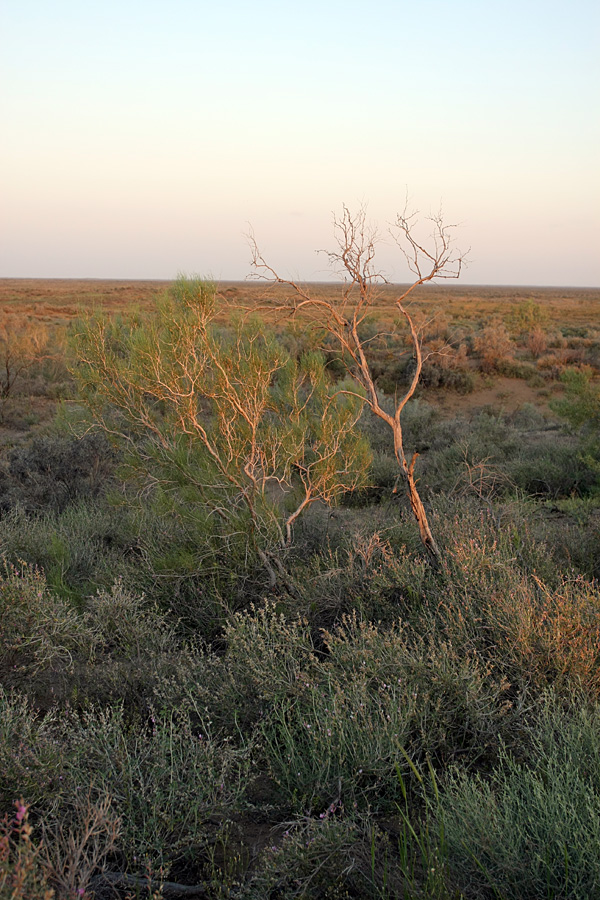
[(223, 412)]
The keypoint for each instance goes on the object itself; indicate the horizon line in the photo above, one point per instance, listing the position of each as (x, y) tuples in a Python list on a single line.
[(447, 283)]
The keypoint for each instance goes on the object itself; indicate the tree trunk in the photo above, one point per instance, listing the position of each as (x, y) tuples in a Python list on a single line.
[(427, 539)]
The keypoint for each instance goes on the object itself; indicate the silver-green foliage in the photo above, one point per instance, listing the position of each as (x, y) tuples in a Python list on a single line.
[(335, 725), (163, 777), (532, 830)]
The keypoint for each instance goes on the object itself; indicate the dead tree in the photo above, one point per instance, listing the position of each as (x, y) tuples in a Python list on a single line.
[(342, 317)]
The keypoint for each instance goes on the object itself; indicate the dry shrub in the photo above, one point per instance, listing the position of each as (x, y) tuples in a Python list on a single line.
[(552, 364), (72, 853), (22, 873), (493, 345), (555, 364), (538, 636), (22, 341), (557, 632), (432, 327), (62, 863), (537, 342), (479, 476)]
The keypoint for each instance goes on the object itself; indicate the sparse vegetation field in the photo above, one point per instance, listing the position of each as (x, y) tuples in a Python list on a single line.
[(203, 693)]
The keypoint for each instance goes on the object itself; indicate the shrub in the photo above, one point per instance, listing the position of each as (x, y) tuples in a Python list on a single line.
[(465, 449), (446, 366), (532, 830), (116, 646), (164, 777), (335, 723), (383, 479), (22, 341), (266, 657), (22, 873), (574, 539), (537, 341), (551, 467), (37, 631), (581, 406), (494, 346), (525, 316), (331, 857), (86, 546), (52, 472), (420, 424), (368, 569), (30, 758), (528, 417), (124, 624), (537, 632), (75, 845)]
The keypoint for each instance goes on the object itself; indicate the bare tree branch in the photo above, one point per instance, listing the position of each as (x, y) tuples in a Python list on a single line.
[(354, 259)]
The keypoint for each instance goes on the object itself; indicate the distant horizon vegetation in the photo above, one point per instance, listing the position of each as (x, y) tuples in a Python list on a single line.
[(316, 281)]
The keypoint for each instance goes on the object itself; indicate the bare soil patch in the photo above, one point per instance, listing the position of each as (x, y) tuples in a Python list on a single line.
[(503, 394)]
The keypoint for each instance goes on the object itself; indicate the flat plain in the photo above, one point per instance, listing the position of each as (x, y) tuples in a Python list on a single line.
[(325, 717), (451, 313)]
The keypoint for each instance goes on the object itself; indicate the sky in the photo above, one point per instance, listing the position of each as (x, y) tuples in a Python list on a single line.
[(141, 139)]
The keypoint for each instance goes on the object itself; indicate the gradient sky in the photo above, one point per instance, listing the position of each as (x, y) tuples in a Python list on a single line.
[(140, 138)]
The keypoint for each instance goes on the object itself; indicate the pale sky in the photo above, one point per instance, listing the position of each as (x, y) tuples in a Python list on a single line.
[(142, 138)]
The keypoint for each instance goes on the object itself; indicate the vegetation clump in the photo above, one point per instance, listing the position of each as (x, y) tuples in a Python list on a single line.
[(227, 667)]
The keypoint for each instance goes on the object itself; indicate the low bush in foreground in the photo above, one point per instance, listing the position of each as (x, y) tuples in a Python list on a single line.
[(532, 829)]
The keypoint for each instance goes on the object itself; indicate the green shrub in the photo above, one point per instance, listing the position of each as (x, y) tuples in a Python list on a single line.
[(336, 721), (532, 830), (267, 655), (551, 467), (222, 415), (37, 630), (528, 417), (30, 758), (117, 646), (164, 777), (368, 570), (87, 546), (327, 858), (525, 316), (122, 623)]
